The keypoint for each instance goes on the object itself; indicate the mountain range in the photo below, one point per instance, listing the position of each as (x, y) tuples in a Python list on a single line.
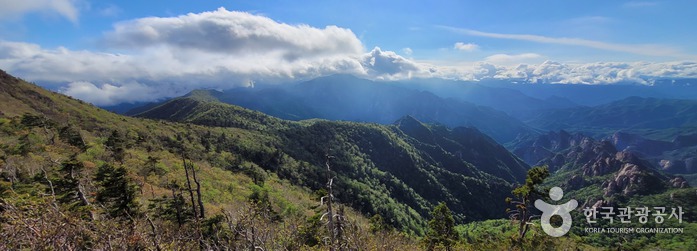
[(345, 97), (386, 150), (510, 113)]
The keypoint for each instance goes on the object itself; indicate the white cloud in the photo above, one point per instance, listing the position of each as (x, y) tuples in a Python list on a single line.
[(159, 57), (506, 59), (219, 49), (17, 8), (600, 72), (233, 32), (388, 65), (108, 94), (465, 46), (638, 49), (567, 73), (108, 78)]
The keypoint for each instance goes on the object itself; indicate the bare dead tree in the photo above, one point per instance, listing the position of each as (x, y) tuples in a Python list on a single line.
[(521, 214), (198, 191), (50, 184), (340, 225), (328, 198), (191, 191), (80, 190), (153, 231)]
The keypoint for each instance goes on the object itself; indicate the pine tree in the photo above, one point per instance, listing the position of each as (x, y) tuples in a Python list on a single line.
[(69, 188), (116, 192), (172, 208), (441, 228), (525, 195), (117, 144)]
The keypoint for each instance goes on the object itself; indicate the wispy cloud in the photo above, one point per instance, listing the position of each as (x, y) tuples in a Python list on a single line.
[(590, 20), (465, 46), (14, 8), (638, 49), (110, 11)]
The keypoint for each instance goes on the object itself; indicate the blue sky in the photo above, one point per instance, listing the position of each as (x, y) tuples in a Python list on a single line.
[(591, 42)]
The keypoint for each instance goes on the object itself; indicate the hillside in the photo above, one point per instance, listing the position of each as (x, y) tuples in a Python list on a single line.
[(466, 144), (74, 176)]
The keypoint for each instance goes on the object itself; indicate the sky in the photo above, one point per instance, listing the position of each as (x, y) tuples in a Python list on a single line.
[(110, 52)]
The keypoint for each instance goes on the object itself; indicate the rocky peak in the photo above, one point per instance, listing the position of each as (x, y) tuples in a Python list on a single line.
[(678, 182), (672, 166), (627, 157), (634, 179), (601, 165)]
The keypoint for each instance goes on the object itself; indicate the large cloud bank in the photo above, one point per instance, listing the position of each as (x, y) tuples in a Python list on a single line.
[(151, 58)]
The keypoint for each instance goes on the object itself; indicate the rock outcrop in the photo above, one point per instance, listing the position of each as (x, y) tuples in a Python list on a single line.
[(633, 179), (678, 182)]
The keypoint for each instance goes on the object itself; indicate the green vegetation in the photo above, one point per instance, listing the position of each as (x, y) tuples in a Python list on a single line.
[(441, 229)]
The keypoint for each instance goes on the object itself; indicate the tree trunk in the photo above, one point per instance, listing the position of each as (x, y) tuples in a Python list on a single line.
[(330, 213), (198, 193), (191, 191)]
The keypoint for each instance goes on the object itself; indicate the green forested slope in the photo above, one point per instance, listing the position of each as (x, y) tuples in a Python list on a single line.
[(73, 176), (383, 169)]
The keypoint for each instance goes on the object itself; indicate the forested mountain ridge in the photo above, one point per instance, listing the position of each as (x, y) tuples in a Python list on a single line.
[(632, 113), (345, 97), (468, 144), (425, 167)]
